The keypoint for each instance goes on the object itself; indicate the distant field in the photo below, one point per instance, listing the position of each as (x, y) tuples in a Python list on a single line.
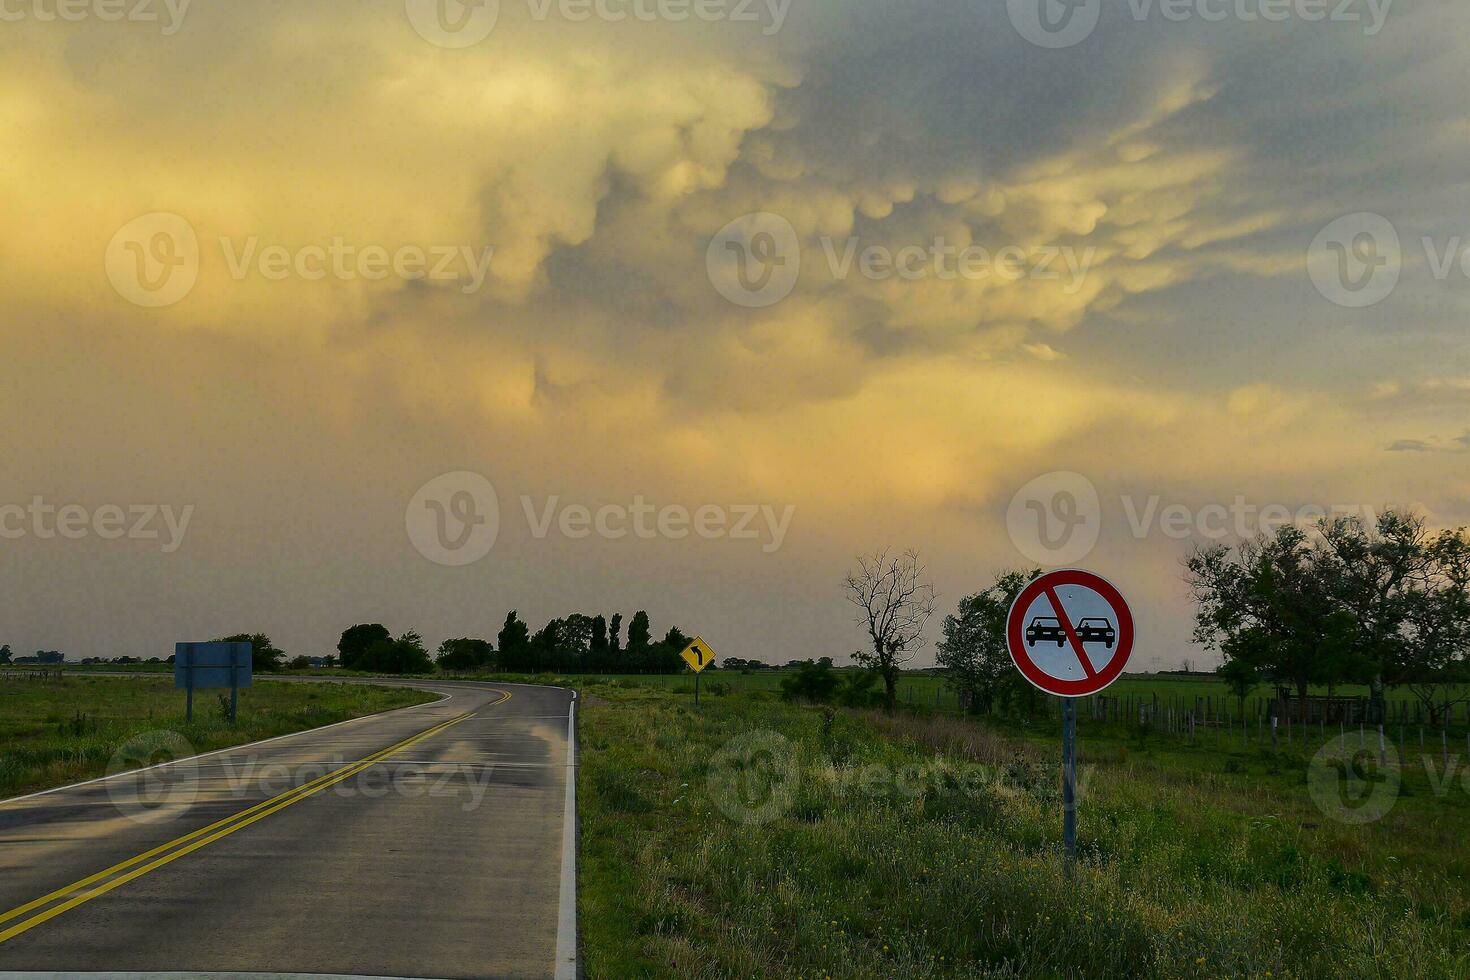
[(54, 732), (752, 837), (1179, 691), (929, 690)]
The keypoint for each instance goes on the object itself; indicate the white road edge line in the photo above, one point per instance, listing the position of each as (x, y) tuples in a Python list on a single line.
[(232, 748), (566, 925)]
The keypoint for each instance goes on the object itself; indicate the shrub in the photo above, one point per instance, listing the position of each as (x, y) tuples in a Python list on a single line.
[(813, 681), (859, 690)]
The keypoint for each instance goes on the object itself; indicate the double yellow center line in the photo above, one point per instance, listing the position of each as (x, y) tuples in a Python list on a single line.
[(105, 881)]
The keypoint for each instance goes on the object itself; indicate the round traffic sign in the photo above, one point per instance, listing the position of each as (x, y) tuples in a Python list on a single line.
[(1070, 632)]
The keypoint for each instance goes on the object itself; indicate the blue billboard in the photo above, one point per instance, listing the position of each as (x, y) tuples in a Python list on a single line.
[(201, 666)]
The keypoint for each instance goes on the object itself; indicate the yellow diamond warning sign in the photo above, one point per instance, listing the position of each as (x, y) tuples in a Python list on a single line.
[(698, 655)]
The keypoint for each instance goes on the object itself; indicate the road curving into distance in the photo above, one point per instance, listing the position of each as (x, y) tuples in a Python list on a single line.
[(431, 841)]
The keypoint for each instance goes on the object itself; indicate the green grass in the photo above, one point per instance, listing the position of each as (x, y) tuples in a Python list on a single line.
[(1180, 692), (54, 732), (924, 689), (1191, 865)]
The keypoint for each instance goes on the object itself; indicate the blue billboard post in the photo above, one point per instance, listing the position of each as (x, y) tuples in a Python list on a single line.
[(210, 666)]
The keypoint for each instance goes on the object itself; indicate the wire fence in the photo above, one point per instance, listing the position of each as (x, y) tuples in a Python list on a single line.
[(1213, 718)]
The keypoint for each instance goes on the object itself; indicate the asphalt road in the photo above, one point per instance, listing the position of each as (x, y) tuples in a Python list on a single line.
[(424, 842)]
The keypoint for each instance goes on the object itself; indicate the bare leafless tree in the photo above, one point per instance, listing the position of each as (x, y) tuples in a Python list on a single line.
[(895, 600)]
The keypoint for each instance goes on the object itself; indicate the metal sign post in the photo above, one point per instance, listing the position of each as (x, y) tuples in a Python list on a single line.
[(234, 685), (1069, 782)]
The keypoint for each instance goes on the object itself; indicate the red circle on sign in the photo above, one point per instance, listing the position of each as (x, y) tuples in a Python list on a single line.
[(1016, 629)]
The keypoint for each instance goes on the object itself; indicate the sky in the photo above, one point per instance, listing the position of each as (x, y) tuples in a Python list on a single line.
[(418, 312)]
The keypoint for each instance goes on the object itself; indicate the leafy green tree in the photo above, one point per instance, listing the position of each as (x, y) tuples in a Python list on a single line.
[(356, 640), (1241, 676), (546, 645), (973, 652), (1376, 575), (666, 657), (599, 636), (812, 681), (1272, 604), (405, 655), (263, 654), (5, 654), (639, 632), (576, 637), (514, 643), (1437, 648), (857, 690), (465, 654), (615, 634)]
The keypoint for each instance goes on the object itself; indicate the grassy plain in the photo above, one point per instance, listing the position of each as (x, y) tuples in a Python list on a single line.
[(57, 731), (750, 837)]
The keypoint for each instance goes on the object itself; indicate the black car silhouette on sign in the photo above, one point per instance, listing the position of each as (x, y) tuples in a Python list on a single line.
[(1045, 628), (1096, 629), (1093, 629)]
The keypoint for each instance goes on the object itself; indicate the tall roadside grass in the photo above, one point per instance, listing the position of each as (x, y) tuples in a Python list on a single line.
[(856, 845), (62, 731)]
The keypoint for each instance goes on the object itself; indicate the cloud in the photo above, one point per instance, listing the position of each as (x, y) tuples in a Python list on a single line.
[(1410, 446), (1170, 176)]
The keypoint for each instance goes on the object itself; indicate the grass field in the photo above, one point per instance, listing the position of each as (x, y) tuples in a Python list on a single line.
[(1179, 692), (54, 732), (755, 838)]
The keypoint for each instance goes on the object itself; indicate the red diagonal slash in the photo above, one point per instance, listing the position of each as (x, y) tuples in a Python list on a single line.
[(1056, 605)]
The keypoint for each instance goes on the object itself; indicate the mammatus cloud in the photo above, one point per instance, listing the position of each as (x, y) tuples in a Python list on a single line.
[(1134, 214)]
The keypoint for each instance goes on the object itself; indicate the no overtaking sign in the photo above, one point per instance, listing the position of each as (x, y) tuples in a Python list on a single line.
[(1070, 633)]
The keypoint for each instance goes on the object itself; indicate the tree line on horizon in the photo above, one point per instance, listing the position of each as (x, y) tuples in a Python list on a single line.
[(573, 644), (1385, 605)]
